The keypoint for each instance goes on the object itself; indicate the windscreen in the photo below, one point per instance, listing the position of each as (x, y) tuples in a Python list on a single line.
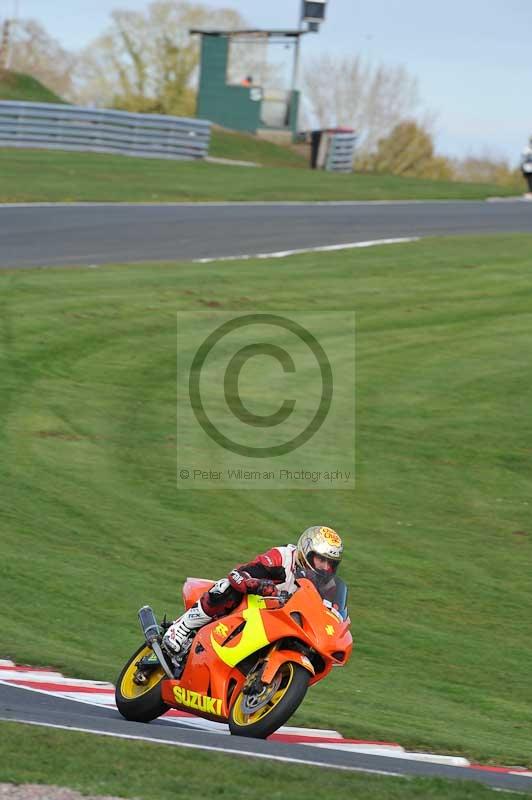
[(332, 590)]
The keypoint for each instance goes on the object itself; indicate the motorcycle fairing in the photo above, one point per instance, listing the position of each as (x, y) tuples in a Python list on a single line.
[(212, 679)]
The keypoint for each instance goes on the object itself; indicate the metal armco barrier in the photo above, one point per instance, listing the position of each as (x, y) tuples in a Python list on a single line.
[(63, 127)]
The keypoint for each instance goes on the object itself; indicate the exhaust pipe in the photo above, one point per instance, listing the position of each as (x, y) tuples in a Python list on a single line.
[(150, 627), (153, 632)]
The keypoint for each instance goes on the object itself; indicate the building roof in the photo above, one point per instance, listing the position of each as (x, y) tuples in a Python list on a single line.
[(270, 33)]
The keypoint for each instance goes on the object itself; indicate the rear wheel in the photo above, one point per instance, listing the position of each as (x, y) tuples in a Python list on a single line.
[(260, 713), (138, 696)]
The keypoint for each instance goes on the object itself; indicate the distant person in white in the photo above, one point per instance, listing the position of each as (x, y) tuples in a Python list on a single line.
[(526, 166)]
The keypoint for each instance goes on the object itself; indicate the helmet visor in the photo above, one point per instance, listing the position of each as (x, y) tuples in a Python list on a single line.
[(322, 565)]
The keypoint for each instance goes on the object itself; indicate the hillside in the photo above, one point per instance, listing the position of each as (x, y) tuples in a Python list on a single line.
[(18, 86), (438, 544), (224, 144), (84, 176)]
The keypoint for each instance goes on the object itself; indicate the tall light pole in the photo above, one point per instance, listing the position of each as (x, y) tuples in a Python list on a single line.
[(312, 14)]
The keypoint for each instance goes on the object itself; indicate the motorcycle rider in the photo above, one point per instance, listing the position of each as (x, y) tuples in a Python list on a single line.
[(317, 555), (526, 167)]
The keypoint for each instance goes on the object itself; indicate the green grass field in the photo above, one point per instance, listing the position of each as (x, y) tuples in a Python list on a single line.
[(47, 176), (439, 545)]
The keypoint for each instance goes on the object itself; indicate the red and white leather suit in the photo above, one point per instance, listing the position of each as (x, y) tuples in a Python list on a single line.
[(267, 575)]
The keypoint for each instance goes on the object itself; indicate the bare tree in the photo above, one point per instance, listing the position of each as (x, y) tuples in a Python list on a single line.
[(147, 61), (35, 52), (348, 91), (486, 168)]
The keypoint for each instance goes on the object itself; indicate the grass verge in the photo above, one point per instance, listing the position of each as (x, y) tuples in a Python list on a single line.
[(439, 545), (245, 147), (46, 176), (103, 766)]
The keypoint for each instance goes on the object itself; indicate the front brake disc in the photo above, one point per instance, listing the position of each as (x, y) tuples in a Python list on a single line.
[(253, 702)]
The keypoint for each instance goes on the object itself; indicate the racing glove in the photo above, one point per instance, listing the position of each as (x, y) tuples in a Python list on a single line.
[(245, 584), (267, 589)]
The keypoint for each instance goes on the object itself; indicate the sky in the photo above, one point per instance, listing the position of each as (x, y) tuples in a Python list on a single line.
[(472, 59)]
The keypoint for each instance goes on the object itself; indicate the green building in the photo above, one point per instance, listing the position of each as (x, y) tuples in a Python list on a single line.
[(230, 91)]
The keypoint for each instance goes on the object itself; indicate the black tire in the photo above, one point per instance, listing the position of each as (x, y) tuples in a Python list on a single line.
[(140, 704), (278, 714)]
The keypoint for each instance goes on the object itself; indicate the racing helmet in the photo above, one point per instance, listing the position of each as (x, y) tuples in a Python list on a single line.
[(321, 541)]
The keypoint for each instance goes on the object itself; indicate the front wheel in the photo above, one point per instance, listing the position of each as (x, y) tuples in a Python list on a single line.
[(140, 701), (260, 714)]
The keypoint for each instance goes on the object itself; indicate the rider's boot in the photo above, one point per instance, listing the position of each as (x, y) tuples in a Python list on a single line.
[(178, 637)]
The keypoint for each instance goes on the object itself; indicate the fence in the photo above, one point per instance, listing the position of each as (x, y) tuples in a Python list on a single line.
[(63, 127)]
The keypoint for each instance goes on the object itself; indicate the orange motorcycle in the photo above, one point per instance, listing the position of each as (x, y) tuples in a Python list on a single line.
[(250, 668)]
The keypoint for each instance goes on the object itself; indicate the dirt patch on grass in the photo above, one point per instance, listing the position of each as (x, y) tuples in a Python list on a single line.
[(37, 791), (67, 437), (210, 303)]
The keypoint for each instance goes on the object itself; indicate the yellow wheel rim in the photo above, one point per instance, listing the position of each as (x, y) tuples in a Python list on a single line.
[(240, 717), (131, 690)]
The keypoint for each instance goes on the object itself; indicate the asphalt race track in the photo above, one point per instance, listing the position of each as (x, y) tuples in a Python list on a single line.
[(21, 705), (83, 234)]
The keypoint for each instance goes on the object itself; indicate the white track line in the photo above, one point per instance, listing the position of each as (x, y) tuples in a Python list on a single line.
[(224, 204), (321, 249), (256, 203), (223, 751)]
